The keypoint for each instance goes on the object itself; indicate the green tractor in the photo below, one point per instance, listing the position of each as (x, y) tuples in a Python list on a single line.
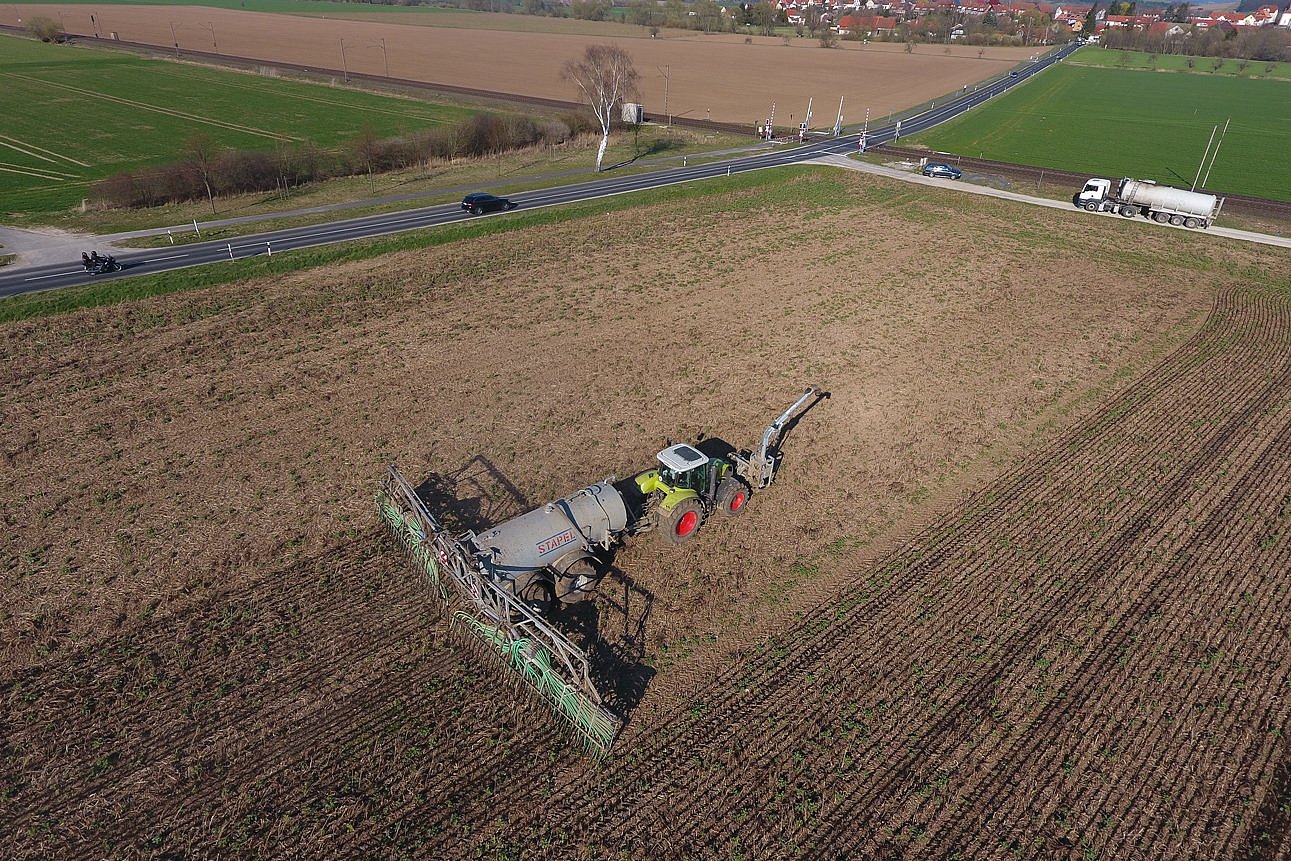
[(686, 488), (689, 486)]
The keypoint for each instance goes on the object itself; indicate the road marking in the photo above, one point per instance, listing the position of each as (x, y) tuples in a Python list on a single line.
[(159, 259), (52, 275)]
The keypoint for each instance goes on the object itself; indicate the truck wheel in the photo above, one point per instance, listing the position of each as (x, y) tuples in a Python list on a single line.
[(538, 592), (1191, 223), (1160, 217), (732, 497), (1176, 220), (680, 525), (1091, 206), (1129, 211)]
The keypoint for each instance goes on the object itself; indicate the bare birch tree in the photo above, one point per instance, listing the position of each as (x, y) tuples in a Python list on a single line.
[(606, 77)]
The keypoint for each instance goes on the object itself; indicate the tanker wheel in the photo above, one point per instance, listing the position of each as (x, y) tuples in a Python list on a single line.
[(1160, 217), (679, 525), (1176, 220), (578, 583), (1191, 223), (1129, 211), (732, 497), (1091, 207), (539, 593)]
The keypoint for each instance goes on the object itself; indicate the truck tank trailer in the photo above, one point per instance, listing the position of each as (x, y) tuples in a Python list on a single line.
[(1162, 203)]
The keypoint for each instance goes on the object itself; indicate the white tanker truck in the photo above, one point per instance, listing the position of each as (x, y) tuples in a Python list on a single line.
[(1161, 203), (501, 584)]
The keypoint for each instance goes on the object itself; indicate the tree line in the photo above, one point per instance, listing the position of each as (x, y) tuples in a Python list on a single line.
[(1262, 44), (206, 171)]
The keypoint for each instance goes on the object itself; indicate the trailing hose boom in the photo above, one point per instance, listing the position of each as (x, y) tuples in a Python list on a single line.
[(503, 583)]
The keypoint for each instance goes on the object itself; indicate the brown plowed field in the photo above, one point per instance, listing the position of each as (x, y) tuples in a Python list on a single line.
[(709, 77), (1021, 590)]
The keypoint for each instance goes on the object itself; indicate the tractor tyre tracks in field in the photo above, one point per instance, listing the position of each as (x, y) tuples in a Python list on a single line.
[(760, 719)]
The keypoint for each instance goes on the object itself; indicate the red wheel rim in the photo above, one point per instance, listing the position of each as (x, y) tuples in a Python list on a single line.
[(737, 501), (686, 524)]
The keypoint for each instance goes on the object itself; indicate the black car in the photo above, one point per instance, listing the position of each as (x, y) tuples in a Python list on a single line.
[(945, 171), (479, 203)]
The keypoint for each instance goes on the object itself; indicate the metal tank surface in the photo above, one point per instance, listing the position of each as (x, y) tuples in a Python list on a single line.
[(554, 537), (1141, 193)]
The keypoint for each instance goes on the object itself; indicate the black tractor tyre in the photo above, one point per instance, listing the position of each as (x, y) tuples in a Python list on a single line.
[(680, 525), (1091, 207), (1129, 211), (578, 583), (538, 592), (732, 497)]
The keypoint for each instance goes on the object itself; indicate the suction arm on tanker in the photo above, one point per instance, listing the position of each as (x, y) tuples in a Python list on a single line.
[(758, 467)]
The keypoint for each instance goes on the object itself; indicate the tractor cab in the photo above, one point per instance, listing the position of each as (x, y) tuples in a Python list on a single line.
[(684, 466)]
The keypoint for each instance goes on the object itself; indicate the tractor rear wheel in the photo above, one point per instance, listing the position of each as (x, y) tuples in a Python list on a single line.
[(732, 497), (680, 525)]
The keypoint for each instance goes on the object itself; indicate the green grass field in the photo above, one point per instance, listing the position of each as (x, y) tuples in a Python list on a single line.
[(74, 115), (1118, 59), (1118, 122)]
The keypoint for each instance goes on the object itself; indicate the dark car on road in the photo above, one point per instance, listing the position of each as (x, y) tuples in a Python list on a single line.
[(480, 202), (936, 168)]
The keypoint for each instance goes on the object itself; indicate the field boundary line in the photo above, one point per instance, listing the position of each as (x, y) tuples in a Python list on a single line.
[(154, 108), (40, 173), (316, 99), (15, 143)]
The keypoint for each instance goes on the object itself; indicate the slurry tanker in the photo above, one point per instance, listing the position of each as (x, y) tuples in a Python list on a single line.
[(503, 584), (1161, 203)]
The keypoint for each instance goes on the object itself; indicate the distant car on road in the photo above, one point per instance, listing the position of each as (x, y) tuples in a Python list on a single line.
[(936, 168), (1013, 74), (479, 203)]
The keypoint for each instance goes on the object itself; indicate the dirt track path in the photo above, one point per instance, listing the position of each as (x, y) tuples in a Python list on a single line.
[(969, 188)]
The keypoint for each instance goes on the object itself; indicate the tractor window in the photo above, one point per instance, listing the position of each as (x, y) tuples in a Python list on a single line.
[(685, 479)]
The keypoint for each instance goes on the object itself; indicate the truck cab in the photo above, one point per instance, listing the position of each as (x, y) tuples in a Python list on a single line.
[(1094, 194)]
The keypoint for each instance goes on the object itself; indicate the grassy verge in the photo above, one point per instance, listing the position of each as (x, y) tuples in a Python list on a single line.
[(509, 174), (433, 183), (130, 289)]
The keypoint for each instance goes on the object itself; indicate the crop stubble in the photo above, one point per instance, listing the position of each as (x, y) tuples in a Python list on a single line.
[(175, 680)]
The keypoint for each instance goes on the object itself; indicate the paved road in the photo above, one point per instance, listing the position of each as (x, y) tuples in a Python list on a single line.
[(153, 261)]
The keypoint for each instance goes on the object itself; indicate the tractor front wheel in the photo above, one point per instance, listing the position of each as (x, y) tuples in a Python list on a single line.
[(732, 497), (680, 524)]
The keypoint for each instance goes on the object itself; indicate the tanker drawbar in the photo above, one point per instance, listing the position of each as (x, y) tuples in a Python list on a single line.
[(499, 585)]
